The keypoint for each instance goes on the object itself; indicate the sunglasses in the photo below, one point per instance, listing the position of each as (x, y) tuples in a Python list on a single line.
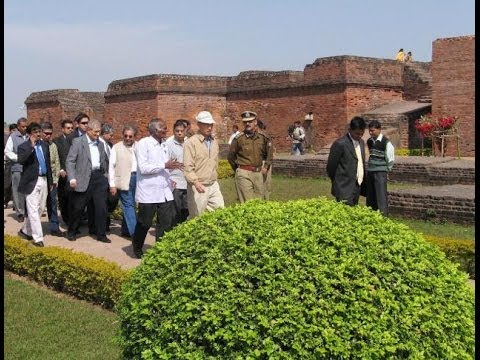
[(128, 136), (84, 123), (47, 133)]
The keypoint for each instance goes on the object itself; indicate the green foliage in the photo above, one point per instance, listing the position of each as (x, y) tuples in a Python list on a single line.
[(305, 279), (77, 274), (224, 170), (461, 252), (413, 152)]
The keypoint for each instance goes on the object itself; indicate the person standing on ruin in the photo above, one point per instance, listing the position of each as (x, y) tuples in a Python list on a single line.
[(346, 163), (200, 158), (380, 162), (400, 56), (408, 57), (250, 157)]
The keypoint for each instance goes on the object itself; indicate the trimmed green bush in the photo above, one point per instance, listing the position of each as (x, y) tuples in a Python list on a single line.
[(76, 274), (305, 279), (413, 152)]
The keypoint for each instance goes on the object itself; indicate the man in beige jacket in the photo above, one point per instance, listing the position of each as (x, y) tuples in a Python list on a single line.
[(200, 160)]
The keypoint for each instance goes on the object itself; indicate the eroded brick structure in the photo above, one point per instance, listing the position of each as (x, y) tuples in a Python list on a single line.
[(453, 88), (335, 89)]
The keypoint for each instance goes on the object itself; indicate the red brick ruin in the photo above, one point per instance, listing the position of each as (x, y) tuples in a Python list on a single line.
[(334, 88)]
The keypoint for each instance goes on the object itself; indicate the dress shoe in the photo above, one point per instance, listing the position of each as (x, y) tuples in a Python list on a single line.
[(25, 236), (104, 239), (21, 218), (138, 253), (71, 237), (58, 233), (39, 244)]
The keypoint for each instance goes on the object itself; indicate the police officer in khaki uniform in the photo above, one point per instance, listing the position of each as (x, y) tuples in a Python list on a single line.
[(250, 157)]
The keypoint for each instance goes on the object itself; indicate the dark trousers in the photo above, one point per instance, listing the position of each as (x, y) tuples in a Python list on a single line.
[(353, 197), (63, 194), (52, 209), (165, 221), (7, 183), (95, 197), (181, 205), (377, 195)]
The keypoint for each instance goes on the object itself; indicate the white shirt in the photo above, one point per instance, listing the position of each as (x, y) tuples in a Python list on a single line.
[(175, 151), (153, 180), (113, 161), (94, 153), (389, 152), (8, 152), (233, 137)]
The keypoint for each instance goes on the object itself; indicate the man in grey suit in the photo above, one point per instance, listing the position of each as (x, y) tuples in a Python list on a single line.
[(346, 163), (87, 169)]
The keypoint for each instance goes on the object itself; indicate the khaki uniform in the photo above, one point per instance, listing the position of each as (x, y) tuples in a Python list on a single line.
[(248, 154)]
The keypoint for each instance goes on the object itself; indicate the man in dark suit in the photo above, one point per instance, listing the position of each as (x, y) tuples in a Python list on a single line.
[(35, 181), (87, 169), (346, 165), (81, 123), (62, 147)]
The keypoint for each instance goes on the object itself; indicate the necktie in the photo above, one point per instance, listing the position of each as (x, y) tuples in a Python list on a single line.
[(356, 144), (41, 159)]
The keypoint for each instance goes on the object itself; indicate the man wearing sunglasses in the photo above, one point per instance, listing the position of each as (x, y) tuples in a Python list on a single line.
[(52, 206)]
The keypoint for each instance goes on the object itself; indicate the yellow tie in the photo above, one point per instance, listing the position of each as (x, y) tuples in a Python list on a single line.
[(356, 144)]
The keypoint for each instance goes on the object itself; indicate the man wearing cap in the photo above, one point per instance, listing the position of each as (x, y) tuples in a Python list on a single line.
[(200, 159), (250, 157)]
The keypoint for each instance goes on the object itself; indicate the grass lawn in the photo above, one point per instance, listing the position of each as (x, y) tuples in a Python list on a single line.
[(42, 324)]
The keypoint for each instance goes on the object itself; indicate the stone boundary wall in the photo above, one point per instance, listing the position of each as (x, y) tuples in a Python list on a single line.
[(420, 173), (429, 207)]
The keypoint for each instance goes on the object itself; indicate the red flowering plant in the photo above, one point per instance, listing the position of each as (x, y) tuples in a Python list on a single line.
[(427, 126)]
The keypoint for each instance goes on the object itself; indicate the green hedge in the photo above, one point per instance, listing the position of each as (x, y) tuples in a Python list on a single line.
[(77, 274), (461, 252), (305, 279), (413, 152)]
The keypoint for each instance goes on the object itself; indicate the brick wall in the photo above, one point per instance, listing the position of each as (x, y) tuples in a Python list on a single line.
[(453, 88), (440, 208)]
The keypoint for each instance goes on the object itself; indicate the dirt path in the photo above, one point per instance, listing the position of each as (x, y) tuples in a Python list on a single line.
[(119, 250)]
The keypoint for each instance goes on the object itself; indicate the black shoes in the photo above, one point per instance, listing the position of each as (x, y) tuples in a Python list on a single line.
[(39, 244), (138, 253), (104, 239), (58, 233), (25, 236), (71, 237), (21, 218)]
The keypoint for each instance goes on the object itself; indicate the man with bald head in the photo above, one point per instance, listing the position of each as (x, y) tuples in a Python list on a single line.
[(87, 169)]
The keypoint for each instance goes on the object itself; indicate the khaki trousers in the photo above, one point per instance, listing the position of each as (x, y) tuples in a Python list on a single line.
[(249, 184), (210, 200)]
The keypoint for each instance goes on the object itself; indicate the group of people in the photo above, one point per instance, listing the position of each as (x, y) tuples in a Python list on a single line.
[(352, 175), (171, 178), (401, 57)]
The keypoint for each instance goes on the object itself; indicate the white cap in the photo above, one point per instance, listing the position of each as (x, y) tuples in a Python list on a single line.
[(205, 117)]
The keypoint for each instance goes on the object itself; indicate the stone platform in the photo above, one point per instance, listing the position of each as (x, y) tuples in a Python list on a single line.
[(450, 196)]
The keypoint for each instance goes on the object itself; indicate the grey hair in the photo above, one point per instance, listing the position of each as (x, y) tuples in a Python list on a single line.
[(94, 123), (153, 125), (106, 129), (130, 128)]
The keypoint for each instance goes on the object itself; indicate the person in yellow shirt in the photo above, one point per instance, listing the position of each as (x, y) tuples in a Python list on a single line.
[(400, 56)]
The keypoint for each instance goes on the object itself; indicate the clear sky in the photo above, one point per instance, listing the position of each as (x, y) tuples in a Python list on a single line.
[(86, 44)]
